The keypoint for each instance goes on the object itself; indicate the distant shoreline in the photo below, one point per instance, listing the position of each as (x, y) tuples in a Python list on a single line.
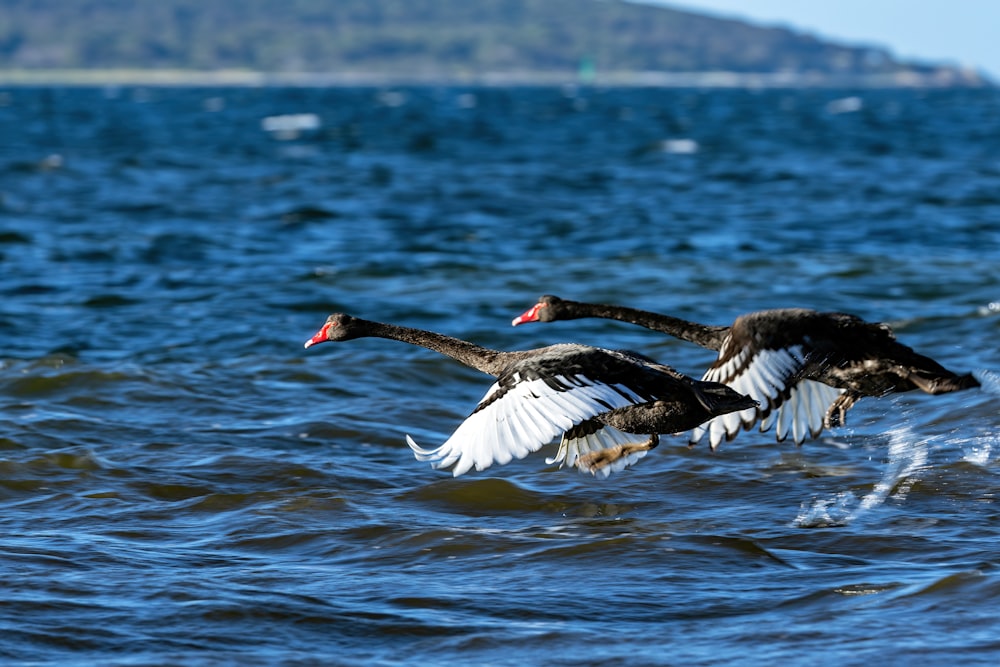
[(944, 77)]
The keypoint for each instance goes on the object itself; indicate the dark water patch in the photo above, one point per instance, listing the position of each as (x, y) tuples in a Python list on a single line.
[(68, 639), (20, 487), (491, 496), (14, 238), (140, 208), (31, 289), (64, 382), (304, 214), (291, 539), (74, 460), (10, 444), (172, 492), (169, 247), (975, 582), (223, 502), (108, 301), (92, 255)]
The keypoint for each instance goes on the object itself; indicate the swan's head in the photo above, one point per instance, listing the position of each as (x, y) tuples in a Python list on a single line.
[(338, 327), (548, 309)]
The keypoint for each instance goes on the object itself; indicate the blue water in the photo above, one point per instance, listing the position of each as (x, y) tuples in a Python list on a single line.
[(182, 483)]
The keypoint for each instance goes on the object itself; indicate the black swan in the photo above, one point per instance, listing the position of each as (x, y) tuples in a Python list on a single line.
[(594, 397), (805, 368)]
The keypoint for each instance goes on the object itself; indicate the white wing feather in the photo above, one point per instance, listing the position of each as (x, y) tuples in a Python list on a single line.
[(524, 419), (766, 378), (815, 396)]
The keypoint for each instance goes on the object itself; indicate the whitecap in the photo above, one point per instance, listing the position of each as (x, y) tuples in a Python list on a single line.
[(992, 308), (679, 146), (845, 105), (290, 126)]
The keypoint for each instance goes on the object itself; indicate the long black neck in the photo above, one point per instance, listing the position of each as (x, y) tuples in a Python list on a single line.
[(707, 336), (472, 355)]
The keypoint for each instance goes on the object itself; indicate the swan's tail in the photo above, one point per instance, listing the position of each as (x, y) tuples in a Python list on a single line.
[(943, 383), (720, 399)]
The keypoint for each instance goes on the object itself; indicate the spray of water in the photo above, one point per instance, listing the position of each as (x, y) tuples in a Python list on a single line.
[(906, 455), (989, 379), (979, 449)]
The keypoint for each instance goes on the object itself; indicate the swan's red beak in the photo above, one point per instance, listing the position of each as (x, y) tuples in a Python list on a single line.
[(320, 336), (530, 315)]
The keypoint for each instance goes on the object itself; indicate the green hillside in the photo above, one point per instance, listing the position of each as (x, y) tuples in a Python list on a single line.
[(420, 39)]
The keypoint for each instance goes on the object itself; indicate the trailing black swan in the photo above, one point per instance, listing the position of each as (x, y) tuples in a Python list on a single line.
[(804, 368)]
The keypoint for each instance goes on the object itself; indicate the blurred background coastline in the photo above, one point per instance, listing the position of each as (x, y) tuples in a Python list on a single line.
[(445, 42)]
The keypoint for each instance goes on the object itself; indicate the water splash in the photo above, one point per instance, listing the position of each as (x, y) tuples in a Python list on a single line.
[(978, 450), (906, 456), (989, 379), (827, 512)]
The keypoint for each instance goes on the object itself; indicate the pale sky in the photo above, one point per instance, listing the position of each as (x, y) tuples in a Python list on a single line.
[(955, 32)]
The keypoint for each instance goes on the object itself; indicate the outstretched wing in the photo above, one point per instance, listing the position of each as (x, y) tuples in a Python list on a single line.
[(536, 400), (772, 377)]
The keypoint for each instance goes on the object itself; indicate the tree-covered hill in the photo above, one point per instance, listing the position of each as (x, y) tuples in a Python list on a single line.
[(418, 39)]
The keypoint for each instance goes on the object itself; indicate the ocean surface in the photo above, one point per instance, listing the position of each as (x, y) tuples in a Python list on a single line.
[(181, 483)]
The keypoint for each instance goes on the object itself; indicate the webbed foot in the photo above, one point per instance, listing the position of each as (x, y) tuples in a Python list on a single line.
[(836, 414), (598, 460)]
